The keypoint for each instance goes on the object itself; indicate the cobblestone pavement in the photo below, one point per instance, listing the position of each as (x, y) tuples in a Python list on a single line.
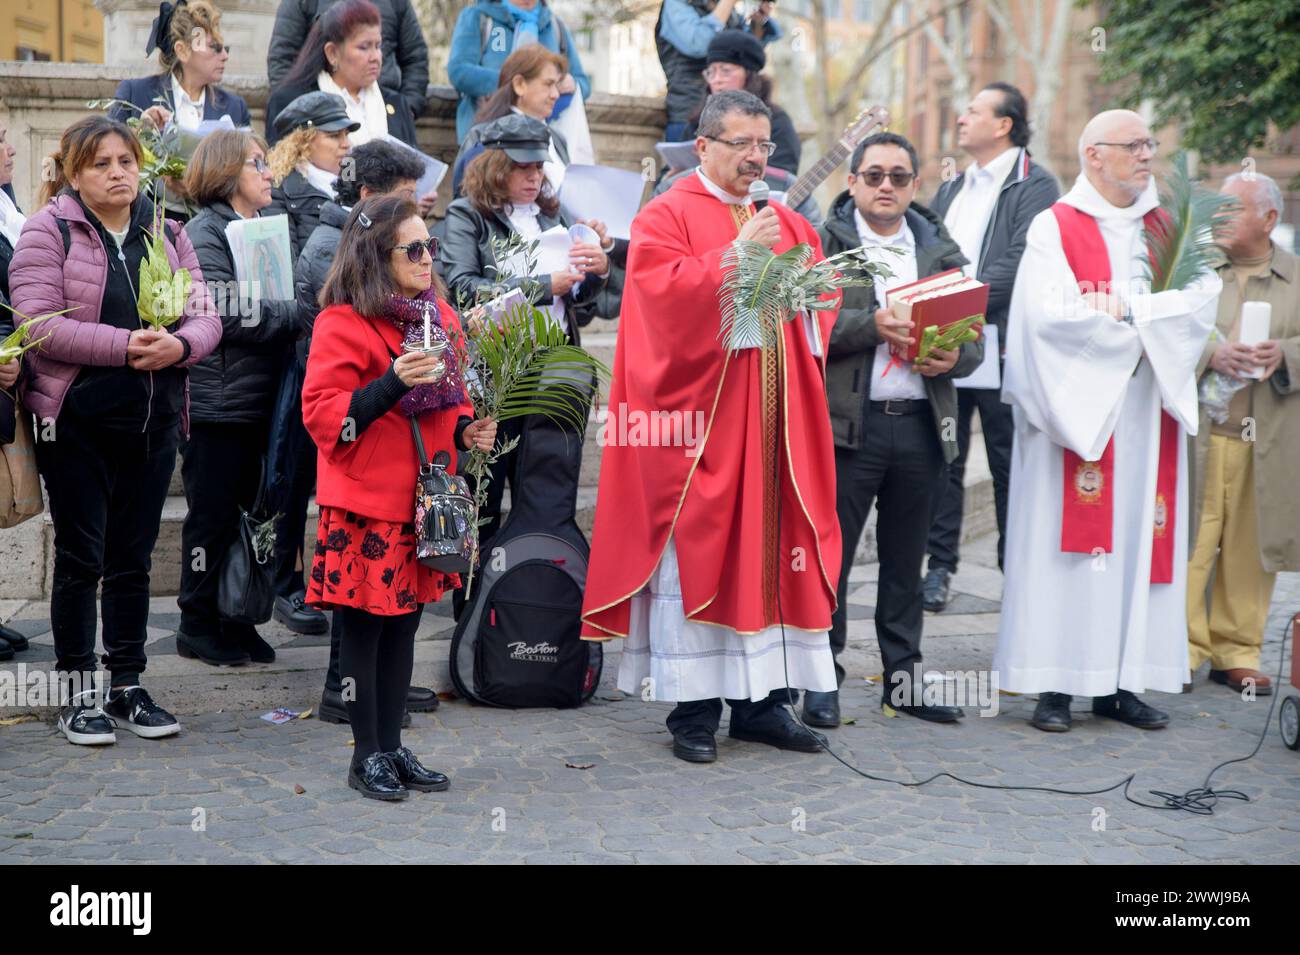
[(599, 784)]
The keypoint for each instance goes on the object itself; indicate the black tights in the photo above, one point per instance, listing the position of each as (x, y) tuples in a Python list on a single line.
[(377, 654)]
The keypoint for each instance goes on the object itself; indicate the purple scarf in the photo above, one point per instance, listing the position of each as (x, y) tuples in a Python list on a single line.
[(408, 316)]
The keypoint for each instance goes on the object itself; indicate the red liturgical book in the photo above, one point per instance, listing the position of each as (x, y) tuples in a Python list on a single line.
[(936, 300)]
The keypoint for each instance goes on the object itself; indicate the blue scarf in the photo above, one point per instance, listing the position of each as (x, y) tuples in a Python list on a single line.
[(527, 24)]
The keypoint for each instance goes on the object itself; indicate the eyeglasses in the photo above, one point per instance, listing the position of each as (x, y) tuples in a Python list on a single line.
[(721, 69), (258, 164), (1136, 146), (415, 250), (874, 177), (746, 145)]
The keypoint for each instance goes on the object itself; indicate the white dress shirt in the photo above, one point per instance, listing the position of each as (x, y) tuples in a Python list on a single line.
[(523, 219), (186, 113), (968, 216), (902, 381)]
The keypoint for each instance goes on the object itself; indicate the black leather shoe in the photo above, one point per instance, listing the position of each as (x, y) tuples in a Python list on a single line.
[(926, 711), (294, 613), (421, 699), (778, 727), (17, 642), (415, 776), (695, 745), (934, 589), (821, 709), (1052, 714), (376, 779), (246, 637), (213, 651), (6, 652), (1127, 708), (332, 709)]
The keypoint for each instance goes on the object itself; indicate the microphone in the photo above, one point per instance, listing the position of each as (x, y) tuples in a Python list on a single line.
[(758, 194)]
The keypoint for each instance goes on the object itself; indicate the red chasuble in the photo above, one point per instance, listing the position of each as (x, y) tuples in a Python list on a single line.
[(759, 410), (1088, 512)]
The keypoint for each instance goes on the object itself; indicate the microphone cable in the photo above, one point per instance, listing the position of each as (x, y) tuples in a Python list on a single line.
[(1200, 800)]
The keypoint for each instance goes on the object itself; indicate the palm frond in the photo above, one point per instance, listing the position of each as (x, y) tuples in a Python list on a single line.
[(761, 289), (1182, 247)]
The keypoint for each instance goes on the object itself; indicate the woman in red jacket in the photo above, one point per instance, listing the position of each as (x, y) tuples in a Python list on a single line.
[(362, 390)]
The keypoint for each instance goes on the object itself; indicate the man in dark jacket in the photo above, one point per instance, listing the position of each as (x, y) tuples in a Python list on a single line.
[(987, 209), (682, 35), (406, 55), (893, 428)]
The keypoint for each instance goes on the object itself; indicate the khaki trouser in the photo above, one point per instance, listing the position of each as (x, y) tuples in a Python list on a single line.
[(1230, 630)]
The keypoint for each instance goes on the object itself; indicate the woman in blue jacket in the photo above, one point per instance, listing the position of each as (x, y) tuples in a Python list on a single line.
[(487, 32)]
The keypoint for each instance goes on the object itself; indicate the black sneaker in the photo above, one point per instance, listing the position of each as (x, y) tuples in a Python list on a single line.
[(294, 613), (84, 723), (133, 709)]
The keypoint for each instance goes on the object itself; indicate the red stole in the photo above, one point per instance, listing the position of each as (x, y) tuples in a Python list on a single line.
[(1088, 511)]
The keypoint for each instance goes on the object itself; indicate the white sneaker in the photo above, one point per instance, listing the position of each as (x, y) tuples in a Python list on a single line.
[(134, 710), (83, 722)]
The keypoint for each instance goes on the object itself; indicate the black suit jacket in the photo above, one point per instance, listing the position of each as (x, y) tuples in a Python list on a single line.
[(143, 91)]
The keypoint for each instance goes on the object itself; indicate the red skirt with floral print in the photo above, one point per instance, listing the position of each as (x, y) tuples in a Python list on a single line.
[(370, 565)]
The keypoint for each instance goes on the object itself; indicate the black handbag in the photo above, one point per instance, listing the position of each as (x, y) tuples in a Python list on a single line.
[(246, 587), (444, 513)]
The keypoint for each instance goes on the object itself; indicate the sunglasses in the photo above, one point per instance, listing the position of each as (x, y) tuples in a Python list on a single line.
[(874, 177), (415, 250)]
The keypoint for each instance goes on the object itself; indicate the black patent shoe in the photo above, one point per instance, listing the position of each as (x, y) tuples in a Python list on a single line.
[(931, 713), (935, 589), (332, 709), (376, 779), (415, 776), (821, 709), (695, 745), (1127, 708), (421, 699), (297, 616), (1052, 714)]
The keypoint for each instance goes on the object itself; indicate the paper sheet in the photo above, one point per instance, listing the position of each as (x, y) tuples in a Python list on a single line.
[(602, 192), (680, 155), (262, 254), (434, 169)]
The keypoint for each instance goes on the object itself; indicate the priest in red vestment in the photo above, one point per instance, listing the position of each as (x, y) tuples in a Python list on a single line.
[(716, 548)]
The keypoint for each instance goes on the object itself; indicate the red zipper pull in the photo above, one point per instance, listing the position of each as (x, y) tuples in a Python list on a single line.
[(492, 617)]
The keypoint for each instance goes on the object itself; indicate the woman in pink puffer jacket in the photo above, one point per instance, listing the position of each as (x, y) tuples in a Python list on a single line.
[(110, 398)]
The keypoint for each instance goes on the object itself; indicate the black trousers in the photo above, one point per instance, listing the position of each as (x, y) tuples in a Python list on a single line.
[(292, 527), (705, 714), (999, 430), (106, 491), (899, 466), (221, 467)]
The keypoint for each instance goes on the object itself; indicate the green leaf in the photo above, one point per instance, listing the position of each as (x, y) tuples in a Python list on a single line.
[(1183, 248)]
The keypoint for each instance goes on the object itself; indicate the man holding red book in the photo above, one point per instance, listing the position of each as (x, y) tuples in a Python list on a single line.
[(894, 422)]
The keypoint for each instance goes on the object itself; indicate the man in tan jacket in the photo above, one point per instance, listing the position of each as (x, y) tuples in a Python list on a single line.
[(1247, 468)]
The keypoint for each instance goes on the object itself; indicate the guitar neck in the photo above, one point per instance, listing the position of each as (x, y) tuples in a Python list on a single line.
[(814, 177)]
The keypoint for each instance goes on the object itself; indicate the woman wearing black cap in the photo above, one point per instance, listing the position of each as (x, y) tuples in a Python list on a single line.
[(306, 162), (735, 60), (507, 194)]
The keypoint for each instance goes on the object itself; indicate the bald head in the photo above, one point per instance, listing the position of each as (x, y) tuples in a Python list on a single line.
[(1115, 153)]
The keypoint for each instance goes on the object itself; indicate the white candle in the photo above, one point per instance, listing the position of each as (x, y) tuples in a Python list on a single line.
[(1255, 319), (426, 328)]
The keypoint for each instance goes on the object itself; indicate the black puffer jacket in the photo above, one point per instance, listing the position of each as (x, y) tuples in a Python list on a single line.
[(237, 383), (466, 254), (300, 201), (314, 262)]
